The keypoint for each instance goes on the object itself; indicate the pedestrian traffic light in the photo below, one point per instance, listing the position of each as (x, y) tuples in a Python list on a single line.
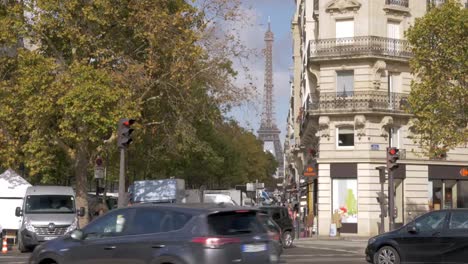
[(124, 132), (393, 154)]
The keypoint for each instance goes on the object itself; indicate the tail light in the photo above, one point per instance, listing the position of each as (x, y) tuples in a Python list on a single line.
[(215, 242), (274, 236)]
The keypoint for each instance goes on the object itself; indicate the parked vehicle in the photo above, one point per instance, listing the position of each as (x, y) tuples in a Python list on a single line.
[(48, 212), (435, 237), (165, 234), (280, 215), (273, 230)]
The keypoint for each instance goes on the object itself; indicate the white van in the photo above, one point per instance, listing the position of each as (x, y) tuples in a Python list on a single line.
[(48, 212)]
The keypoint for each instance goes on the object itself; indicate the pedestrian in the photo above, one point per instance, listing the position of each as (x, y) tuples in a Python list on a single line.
[(337, 221), (310, 223)]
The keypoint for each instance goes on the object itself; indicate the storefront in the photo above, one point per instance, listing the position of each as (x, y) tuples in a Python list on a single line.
[(344, 195), (447, 187)]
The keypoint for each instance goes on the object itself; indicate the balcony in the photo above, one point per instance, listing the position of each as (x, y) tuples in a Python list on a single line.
[(358, 102), (364, 46), (402, 3)]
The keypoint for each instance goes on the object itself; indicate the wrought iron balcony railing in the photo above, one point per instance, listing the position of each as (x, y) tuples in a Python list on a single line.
[(403, 3), (360, 46), (359, 101)]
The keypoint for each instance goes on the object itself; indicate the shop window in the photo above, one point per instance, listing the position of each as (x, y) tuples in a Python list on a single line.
[(345, 199), (345, 138)]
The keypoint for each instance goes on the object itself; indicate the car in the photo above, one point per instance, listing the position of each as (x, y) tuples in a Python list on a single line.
[(280, 215), (274, 231), (435, 237), (165, 234)]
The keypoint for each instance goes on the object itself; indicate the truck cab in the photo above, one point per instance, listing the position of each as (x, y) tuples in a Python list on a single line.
[(48, 212)]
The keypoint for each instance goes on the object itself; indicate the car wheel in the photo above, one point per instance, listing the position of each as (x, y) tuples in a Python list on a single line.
[(21, 247), (386, 255), (287, 239)]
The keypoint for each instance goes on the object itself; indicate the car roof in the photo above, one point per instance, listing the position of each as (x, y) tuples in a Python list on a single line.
[(196, 208), (50, 190)]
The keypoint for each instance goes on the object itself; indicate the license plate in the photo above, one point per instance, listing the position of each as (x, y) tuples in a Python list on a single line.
[(253, 247), (49, 238)]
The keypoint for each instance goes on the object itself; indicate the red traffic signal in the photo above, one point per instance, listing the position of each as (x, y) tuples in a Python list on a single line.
[(393, 151), (128, 122), (124, 132), (393, 154)]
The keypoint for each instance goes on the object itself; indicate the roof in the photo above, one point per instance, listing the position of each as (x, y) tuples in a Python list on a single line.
[(50, 190), (12, 185)]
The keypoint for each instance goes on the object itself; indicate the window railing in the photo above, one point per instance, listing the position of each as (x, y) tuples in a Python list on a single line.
[(374, 101), (359, 46), (403, 3), (432, 3)]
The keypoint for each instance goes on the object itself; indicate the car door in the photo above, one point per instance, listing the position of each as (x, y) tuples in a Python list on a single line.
[(101, 239), (154, 233), (424, 243), (456, 236)]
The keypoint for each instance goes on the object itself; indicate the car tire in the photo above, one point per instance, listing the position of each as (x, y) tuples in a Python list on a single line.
[(387, 255), (287, 239), (168, 260), (21, 247)]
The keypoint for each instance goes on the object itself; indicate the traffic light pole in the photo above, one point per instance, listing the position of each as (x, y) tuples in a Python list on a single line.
[(391, 200), (122, 200)]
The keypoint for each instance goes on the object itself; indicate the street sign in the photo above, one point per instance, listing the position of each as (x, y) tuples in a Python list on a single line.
[(310, 171), (99, 172), (375, 147)]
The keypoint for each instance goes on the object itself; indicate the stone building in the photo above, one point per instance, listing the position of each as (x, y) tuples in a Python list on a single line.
[(349, 89)]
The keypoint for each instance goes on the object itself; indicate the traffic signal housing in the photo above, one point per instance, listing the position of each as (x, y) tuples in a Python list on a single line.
[(382, 199), (124, 132), (393, 154)]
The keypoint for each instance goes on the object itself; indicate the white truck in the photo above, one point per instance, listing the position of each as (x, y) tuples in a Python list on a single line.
[(12, 191)]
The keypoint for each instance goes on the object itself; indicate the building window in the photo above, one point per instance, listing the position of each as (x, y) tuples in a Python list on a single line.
[(393, 29), (344, 28), (345, 199), (395, 137), (344, 83), (345, 138)]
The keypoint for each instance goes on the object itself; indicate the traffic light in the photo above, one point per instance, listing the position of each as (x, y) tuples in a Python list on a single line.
[(382, 199), (124, 132), (393, 154)]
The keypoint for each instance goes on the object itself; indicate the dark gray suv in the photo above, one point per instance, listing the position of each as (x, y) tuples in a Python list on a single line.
[(165, 234)]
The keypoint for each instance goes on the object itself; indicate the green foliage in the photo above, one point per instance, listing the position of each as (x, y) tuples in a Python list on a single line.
[(439, 96), (351, 203)]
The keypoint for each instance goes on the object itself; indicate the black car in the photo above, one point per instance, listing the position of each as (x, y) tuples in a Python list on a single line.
[(435, 237), (165, 234), (280, 215)]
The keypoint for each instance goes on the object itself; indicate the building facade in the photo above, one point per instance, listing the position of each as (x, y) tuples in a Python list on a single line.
[(349, 91)]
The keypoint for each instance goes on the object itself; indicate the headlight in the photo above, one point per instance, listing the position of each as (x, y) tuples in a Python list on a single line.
[(72, 227), (371, 240), (28, 225)]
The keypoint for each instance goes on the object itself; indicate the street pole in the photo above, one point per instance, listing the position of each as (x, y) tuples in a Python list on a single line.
[(298, 222), (391, 200), (121, 201)]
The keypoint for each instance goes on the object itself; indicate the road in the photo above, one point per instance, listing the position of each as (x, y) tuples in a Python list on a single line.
[(309, 251)]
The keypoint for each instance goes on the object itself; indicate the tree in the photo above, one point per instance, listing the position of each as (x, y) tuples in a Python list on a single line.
[(69, 70), (439, 95)]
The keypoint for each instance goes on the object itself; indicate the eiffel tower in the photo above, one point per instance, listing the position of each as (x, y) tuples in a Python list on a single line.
[(268, 131)]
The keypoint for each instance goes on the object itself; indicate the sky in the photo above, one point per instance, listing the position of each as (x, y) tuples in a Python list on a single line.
[(281, 13)]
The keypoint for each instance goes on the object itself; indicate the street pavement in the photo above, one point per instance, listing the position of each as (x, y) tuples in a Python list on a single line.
[(305, 251)]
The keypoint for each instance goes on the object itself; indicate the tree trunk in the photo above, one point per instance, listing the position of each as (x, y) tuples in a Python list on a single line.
[(81, 164)]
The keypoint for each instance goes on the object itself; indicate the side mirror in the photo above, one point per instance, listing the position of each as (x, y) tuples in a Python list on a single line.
[(412, 228), (77, 234), (81, 212), (18, 211)]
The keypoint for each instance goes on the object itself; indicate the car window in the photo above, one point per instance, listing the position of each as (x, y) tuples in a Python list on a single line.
[(235, 223), (150, 220), (459, 220), (431, 222), (112, 224), (276, 215)]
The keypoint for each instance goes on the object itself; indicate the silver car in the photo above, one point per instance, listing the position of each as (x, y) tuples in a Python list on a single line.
[(166, 233)]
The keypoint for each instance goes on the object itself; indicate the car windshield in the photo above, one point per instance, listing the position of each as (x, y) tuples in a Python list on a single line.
[(50, 204), (234, 223)]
